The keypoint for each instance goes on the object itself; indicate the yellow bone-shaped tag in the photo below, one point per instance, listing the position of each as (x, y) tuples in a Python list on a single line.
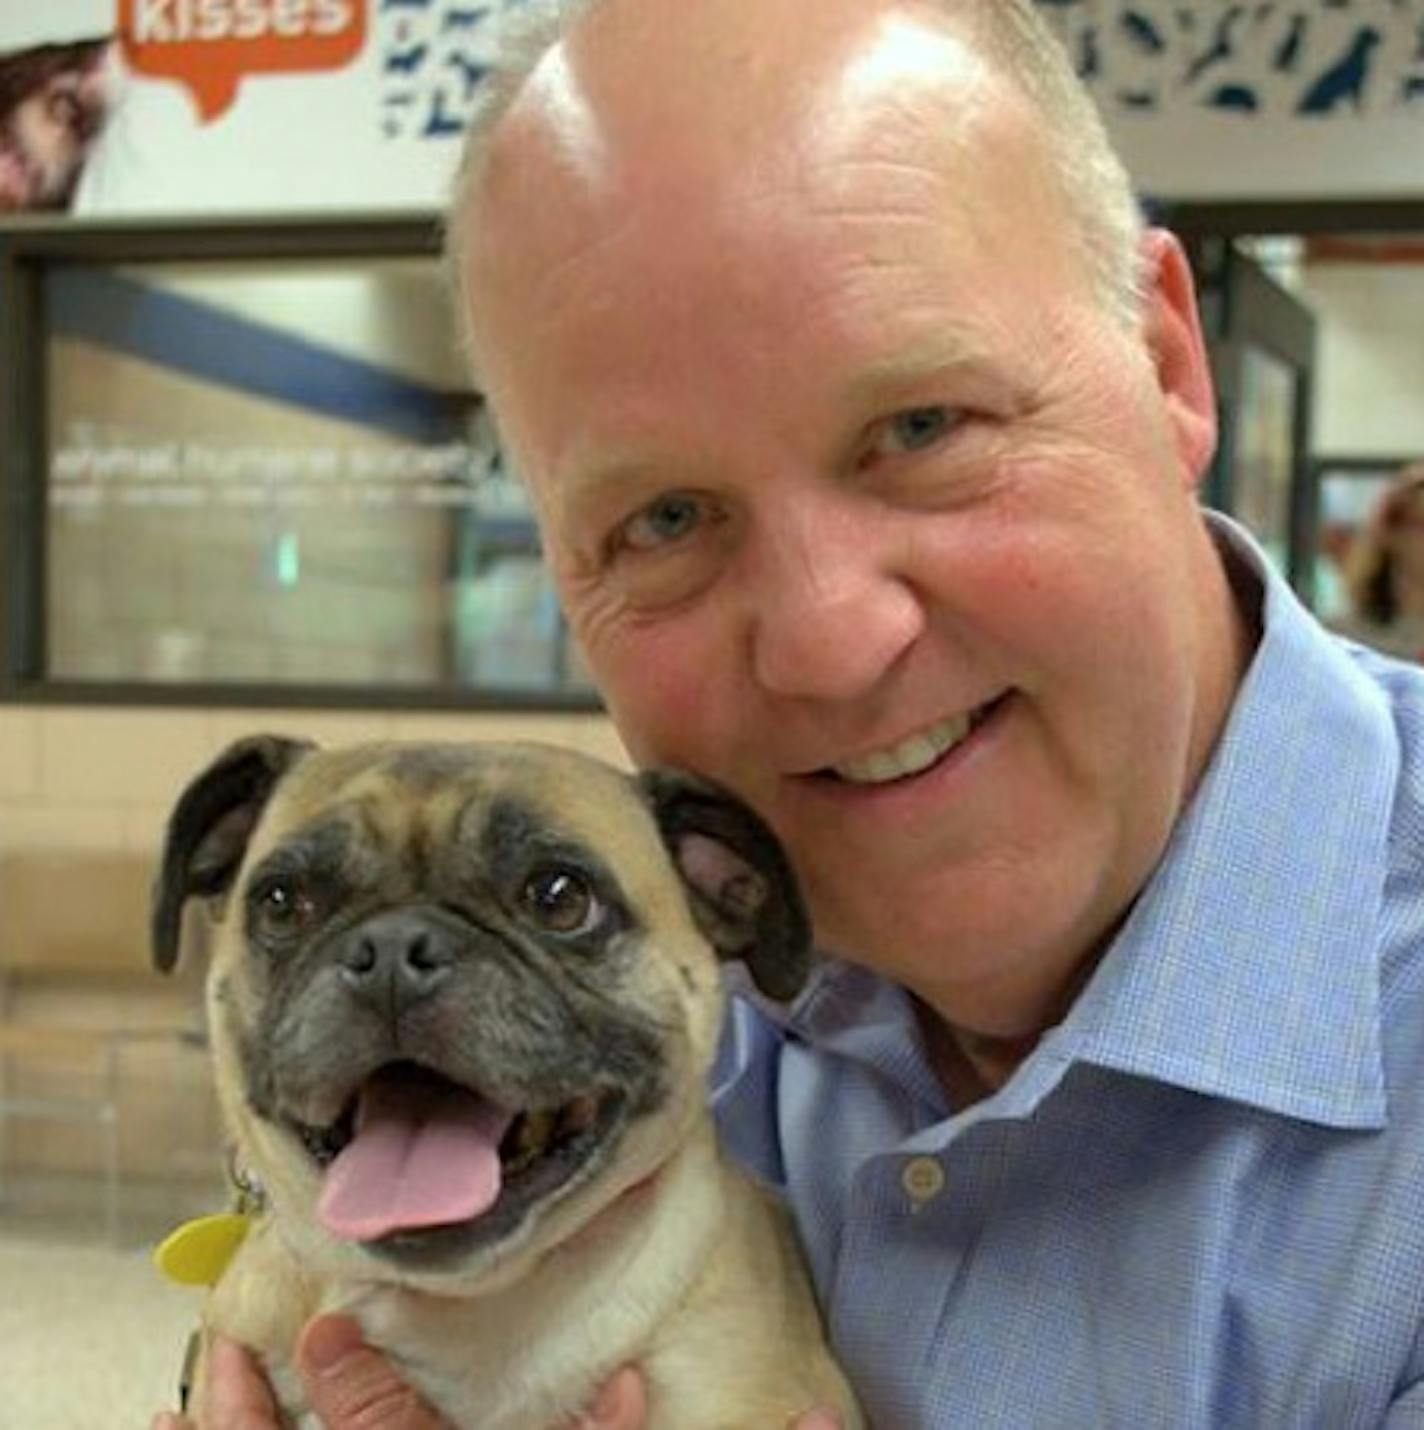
[(197, 1253)]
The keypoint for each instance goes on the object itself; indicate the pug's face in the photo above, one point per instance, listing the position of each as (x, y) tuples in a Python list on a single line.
[(464, 998)]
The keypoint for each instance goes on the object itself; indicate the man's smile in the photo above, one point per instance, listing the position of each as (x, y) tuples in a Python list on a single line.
[(914, 754)]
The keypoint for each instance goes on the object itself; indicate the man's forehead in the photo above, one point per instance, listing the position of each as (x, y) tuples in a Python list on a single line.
[(728, 87), (753, 40), (691, 236), (603, 142)]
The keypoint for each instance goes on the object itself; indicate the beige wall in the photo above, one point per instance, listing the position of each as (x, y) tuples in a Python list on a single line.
[(86, 779), (80, 777), (1371, 362)]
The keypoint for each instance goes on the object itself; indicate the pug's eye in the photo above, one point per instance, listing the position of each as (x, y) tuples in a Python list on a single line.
[(283, 908), (561, 901)]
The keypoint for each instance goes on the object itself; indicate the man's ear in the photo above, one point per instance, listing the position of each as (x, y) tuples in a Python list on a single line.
[(1172, 329), (209, 829), (740, 886)]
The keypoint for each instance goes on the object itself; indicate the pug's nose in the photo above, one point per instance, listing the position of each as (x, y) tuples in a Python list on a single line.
[(396, 959)]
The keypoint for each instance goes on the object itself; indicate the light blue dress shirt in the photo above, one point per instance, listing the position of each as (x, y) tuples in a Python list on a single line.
[(1200, 1201)]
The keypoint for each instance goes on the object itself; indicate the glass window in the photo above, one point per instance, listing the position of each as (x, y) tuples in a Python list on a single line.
[(274, 472), (1265, 449)]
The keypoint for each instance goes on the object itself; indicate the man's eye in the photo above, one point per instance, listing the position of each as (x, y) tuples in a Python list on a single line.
[(668, 519), (912, 430)]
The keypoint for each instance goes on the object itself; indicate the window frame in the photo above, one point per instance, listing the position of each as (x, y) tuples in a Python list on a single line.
[(29, 249)]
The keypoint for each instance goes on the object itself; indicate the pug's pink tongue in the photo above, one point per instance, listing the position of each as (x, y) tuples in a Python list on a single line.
[(425, 1154)]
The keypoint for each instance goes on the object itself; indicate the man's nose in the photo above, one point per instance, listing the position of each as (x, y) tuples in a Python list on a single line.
[(396, 959), (832, 611)]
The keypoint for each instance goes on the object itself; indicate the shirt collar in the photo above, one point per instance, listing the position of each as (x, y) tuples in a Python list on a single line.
[(1249, 967)]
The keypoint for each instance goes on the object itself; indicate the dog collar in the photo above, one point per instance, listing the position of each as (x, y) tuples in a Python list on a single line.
[(198, 1252), (251, 1195)]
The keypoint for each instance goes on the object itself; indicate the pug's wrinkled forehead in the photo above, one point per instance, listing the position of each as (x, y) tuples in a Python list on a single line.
[(415, 818)]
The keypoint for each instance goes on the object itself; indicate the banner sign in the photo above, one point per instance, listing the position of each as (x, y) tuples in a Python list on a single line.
[(209, 48), (207, 107), (210, 107)]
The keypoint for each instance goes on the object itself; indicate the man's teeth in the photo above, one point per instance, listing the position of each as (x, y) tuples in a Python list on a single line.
[(909, 757)]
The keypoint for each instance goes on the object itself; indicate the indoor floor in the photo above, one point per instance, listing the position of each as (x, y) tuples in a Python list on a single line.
[(91, 1337)]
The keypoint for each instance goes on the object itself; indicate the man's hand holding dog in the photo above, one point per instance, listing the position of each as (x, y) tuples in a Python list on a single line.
[(352, 1387)]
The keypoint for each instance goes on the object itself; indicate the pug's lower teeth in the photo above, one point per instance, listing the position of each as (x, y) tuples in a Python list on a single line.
[(578, 1116), (531, 1139), (537, 1133)]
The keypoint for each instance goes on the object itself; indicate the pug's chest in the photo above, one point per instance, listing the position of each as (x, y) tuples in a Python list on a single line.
[(534, 1352), (508, 1363), (675, 1282), (524, 1358)]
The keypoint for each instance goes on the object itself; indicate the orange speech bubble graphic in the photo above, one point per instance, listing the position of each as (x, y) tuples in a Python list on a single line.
[(209, 45)]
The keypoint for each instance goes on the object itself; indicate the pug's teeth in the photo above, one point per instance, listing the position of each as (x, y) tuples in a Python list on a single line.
[(531, 1139), (538, 1128), (578, 1116)]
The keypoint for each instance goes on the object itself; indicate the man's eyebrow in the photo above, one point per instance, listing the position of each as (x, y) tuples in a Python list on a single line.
[(951, 353), (604, 477)]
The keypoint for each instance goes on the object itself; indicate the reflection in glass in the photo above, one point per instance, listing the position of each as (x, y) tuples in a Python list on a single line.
[(275, 472), (1383, 568), (1265, 450), (1347, 496)]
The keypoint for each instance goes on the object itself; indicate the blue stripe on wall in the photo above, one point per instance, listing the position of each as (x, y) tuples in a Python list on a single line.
[(230, 351)]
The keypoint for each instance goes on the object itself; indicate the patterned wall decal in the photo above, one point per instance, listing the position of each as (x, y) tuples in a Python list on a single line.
[(1273, 58), (434, 56), (431, 64)]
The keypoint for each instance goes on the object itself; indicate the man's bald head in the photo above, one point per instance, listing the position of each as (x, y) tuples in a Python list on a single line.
[(656, 53)]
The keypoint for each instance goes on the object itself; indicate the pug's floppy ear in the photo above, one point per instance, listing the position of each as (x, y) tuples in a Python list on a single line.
[(209, 829), (740, 885)]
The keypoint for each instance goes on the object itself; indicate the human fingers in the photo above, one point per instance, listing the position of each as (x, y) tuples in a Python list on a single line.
[(235, 1396), (352, 1387), (621, 1403), (167, 1420)]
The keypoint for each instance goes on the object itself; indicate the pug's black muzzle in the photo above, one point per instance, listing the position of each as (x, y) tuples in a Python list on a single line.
[(397, 959), (425, 998)]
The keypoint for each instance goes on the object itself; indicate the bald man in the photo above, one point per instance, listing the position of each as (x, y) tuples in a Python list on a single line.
[(865, 426)]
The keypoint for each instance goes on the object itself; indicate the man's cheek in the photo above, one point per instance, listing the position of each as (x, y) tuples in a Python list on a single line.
[(666, 713)]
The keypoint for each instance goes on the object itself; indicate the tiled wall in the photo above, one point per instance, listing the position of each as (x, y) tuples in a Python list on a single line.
[(1371, 361), (77, 777)]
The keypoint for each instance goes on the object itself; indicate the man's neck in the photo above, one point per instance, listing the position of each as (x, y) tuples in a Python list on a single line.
[(971, 1066), (972, 1063)]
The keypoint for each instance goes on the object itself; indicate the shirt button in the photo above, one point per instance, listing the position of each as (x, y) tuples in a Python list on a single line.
[(922, 1179)]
